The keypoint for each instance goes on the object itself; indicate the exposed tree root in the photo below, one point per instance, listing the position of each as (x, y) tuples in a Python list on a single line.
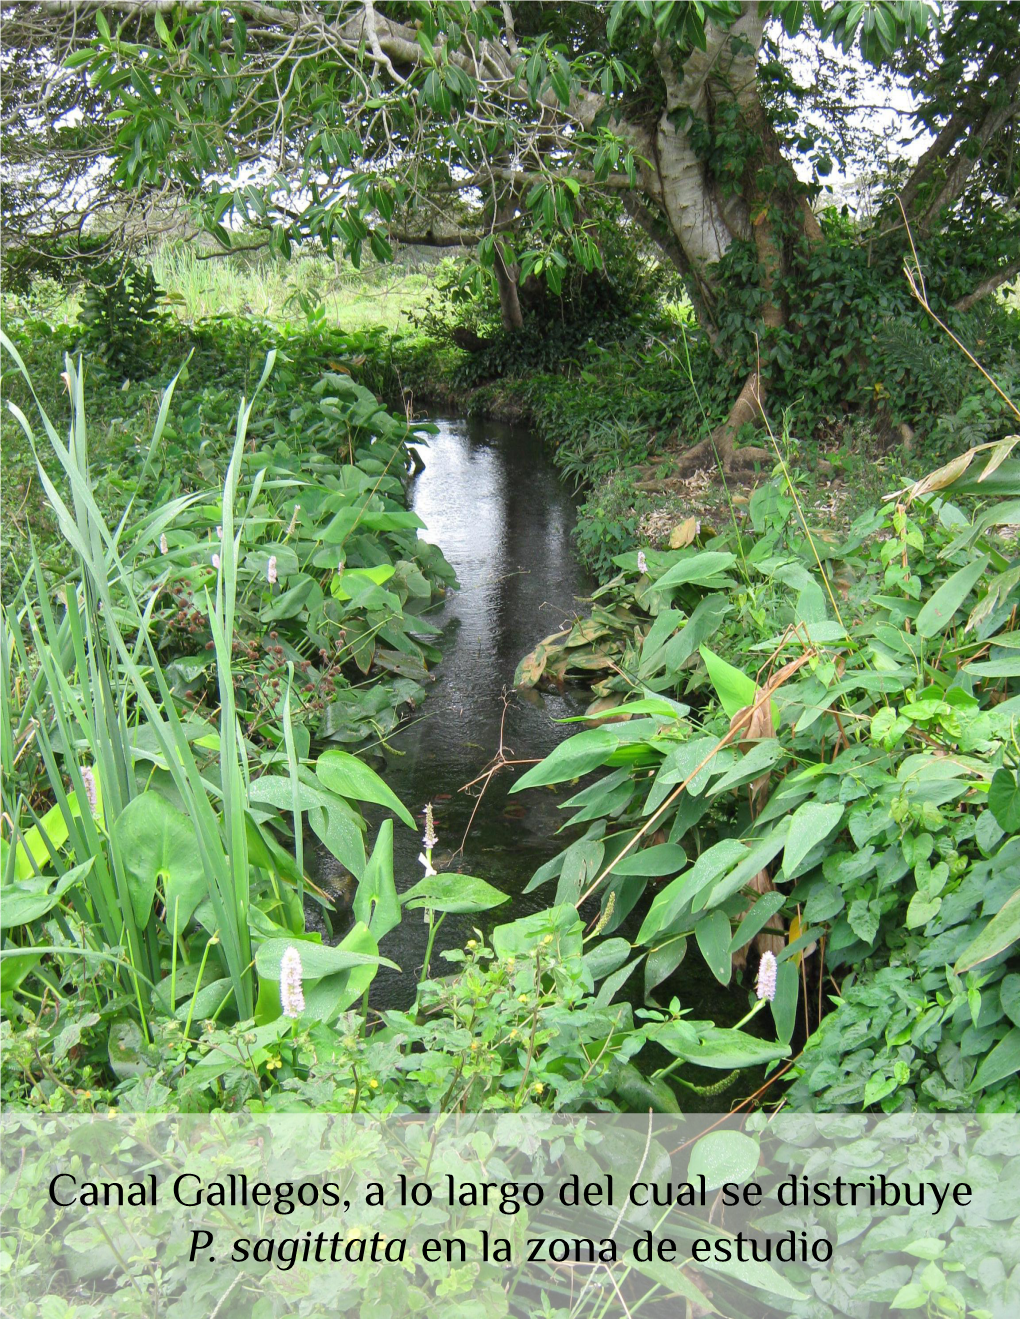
[(721, 445)]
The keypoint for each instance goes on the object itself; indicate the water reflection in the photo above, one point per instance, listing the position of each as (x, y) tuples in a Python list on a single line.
[(492, 501)]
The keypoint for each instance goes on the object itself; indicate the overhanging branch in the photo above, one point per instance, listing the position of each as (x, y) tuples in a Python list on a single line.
[(989, 285)]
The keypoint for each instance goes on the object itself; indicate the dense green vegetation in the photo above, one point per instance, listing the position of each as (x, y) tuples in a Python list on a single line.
[(800, 758), (248, 251), (815, 713)]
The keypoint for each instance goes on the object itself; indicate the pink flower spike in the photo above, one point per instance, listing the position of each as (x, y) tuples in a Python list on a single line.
[(164, 548), (216, 561), (271, 571)]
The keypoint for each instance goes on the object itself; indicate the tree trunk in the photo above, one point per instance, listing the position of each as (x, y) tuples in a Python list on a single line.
[(718, 86), (509, 301), (720, 448), (507, 273)]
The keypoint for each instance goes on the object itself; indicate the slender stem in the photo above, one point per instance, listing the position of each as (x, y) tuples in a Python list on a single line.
[(198, 983), (173, 962), (433, 927)]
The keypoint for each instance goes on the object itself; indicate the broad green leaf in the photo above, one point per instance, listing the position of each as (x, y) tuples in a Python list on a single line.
[(350, 777), (1009, 998), (761, 1276), (31, 846), (1000, 932), (200, 1005), (576, 756), (376, 903), (660, 859), (725, 1049), (809, 825), (1004, 800), (641, 1093), (454, 893), (713, 935), (921, 909), (784, 1005), (331, 817), (333, 994), (156, 842), (662, 961), (997, 668), (674, 1281), (1003, 1061), (939, 609), (911, 1296), (668, 903), (317, 960), (127, 1051), (755, 859), (756, 919), (606, 957), (21, 903), (700, 567), (724, 1156), (926, 1248), (16, 967), (735, 690), (355, 580), (659, 706)]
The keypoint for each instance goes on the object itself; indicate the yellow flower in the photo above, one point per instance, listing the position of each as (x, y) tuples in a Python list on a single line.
[(522, 998), (538, 1087), (373, 1084)]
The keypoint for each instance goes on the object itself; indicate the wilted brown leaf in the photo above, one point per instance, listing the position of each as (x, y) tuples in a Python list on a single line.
[(683, 535), (999, 455)]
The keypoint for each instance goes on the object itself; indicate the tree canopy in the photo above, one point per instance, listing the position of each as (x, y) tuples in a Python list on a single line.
[(523, 130)]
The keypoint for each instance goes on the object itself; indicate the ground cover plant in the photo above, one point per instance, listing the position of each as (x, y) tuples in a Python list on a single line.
[(771, 346), (845, 752), (217, 602)]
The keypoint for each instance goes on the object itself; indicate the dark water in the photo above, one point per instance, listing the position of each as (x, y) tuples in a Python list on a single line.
[(492, 501)]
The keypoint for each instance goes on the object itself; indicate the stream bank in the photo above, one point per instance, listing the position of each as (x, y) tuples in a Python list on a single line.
[(491, 498)]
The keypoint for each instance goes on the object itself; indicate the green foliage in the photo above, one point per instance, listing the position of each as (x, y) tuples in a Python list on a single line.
[(122, 313), (855, 338), (145, 830), (849, 754)]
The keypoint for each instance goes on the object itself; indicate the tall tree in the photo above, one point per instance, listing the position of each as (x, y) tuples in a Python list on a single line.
[(494, 125)]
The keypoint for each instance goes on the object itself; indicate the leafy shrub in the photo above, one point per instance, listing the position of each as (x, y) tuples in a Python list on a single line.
[(122, 313), (140, 839), (834, 774)]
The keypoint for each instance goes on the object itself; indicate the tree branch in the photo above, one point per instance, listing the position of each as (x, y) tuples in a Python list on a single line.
[(989, 285)]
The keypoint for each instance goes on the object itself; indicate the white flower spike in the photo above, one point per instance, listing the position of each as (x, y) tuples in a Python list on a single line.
[(292, 997), (766, 987)]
